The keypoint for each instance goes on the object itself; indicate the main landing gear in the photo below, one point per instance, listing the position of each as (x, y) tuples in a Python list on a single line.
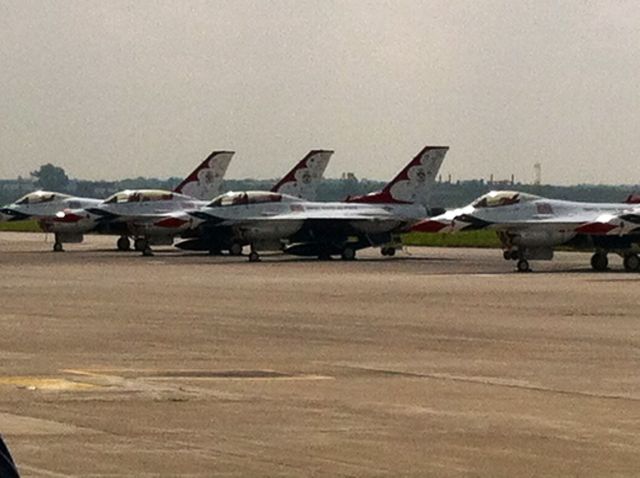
[(141, 244), (348, 253), (388, 251), (123, 244), (631, 263), (235, 249), (599, 261)]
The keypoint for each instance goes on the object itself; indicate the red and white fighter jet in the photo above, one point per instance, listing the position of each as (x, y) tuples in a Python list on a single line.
[(530, 227)]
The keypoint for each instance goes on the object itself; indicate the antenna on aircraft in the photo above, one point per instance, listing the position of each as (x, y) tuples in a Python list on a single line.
[(538, 174)]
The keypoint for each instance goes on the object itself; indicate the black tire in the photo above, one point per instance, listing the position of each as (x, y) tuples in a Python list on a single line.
[(523, 266), (57, 247), (348, 254), (391, 252), (140, 244), (599, 262), (147, 252), (235, 249), (123, 244), (254, 256), (506, 255), (631, 263)]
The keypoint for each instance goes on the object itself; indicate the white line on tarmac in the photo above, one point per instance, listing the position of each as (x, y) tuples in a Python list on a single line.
[(42, 472)]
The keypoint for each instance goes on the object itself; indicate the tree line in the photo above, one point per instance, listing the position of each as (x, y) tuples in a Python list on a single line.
[(446, 194)]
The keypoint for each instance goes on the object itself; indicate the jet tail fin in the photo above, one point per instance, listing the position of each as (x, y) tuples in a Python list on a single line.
[(303, 179), (414, 183), (205, 181)]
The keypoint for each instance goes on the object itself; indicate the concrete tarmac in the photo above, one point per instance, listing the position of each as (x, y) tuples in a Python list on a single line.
[(440, 362)]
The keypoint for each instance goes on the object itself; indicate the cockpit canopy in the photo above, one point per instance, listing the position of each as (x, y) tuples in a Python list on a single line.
[(250, 197), (39, 197), (502, 198), (142, 195)]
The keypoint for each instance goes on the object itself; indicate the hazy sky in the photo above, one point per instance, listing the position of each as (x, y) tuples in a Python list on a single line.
[(112, 89)]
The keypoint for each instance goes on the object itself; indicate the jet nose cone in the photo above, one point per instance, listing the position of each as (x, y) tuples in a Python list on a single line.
[(4, 215)]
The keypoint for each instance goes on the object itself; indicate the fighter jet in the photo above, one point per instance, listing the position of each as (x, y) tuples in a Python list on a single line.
[(69, 217), (530, 227), (40, 205), (274, 221), (149, 215)]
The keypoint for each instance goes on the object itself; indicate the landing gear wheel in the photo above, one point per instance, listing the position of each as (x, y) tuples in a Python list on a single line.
[(57, 247), (523, 266), (254, 256), (388, 251), (631, 263), (123, 244), (140, 244), (235, 249), (599, 261), (348, 254), (147, 252), (324, 256), (506, 255)]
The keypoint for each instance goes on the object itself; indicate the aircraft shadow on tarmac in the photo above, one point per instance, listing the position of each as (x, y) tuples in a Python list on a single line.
[(279, 258)]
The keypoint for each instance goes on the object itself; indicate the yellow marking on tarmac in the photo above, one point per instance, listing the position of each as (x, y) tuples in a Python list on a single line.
[(45, 383), (245, 379)]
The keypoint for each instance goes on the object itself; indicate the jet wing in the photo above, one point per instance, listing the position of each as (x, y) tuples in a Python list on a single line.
[(346, 213)]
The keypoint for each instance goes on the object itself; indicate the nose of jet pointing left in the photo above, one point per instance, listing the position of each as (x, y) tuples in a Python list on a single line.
[(4, 216)]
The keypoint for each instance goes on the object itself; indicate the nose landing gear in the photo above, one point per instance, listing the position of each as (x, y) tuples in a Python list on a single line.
[(516, 255), (523, 266), (254, 256), (57, 245)]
